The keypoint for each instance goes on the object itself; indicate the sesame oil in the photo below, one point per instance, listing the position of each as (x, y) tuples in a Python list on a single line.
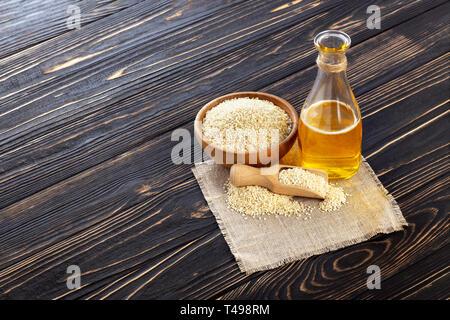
[(330, 135), (330, 129)]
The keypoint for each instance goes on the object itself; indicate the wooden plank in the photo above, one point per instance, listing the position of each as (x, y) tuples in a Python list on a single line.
[(24, 24), (414, 169), (378, 59), (218, 279), (342, 274), (130, 50), (135, 233), (426, 279), (79, 135)]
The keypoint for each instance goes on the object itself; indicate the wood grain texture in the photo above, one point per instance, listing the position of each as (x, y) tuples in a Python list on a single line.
[(77, 135), (426, 279), (150, 186), (24, 24), (85, 142), (108, 107)]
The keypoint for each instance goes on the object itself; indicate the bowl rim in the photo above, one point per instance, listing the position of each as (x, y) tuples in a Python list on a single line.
[(198, 124)]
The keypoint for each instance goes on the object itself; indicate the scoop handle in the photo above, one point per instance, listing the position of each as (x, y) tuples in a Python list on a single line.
[(242, 175)]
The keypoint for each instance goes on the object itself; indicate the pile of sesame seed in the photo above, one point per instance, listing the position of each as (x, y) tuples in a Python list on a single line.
[(256, 201), (334, 197), (246, 124), (303, 178)]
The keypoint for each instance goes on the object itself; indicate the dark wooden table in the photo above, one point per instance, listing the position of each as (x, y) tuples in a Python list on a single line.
[(86, 118)]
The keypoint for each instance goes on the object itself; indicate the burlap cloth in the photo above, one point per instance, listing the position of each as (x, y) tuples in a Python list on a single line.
[(264, 244)]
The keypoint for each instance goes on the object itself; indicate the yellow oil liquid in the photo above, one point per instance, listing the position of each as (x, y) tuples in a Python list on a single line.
[(330, 136)]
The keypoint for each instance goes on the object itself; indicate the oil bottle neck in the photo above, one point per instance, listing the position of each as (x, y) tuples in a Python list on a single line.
[(332, 45), (332, 62)]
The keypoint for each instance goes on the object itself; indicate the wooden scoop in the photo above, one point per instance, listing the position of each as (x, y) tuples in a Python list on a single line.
[(242, 175)]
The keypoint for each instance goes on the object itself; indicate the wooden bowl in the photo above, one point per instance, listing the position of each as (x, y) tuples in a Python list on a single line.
[(256, 158)]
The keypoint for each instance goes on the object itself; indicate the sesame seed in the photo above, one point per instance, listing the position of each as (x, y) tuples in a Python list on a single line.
[(303, 178), (334, 197), (256, 201), (246, 124)]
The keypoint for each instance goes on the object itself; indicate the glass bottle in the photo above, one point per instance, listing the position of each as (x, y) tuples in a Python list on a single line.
[(330, 130)]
